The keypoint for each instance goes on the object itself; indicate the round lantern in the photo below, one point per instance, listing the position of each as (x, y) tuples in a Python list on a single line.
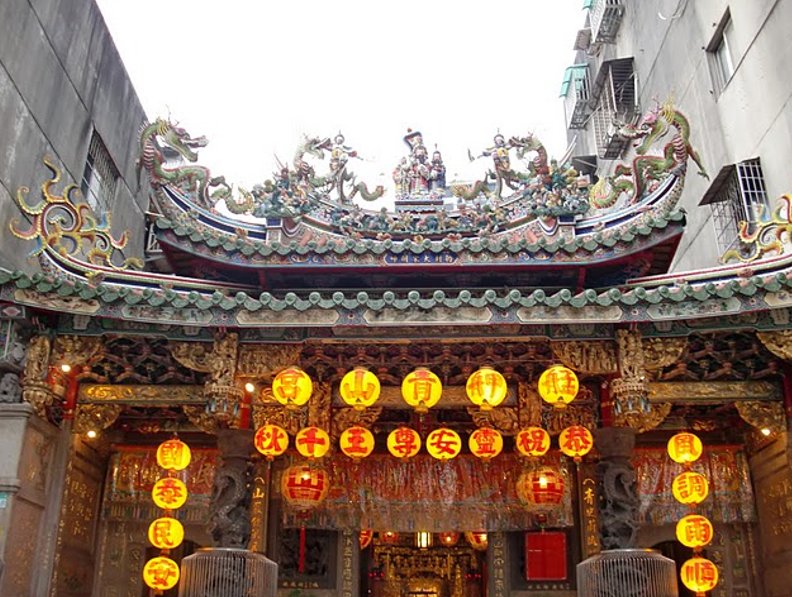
[(389, 537), (357, 442), (449, 539), (421, 389), (694, 531), (543, 486), (312, 442), (690, 488), (359, 388), (161, 573), (558, 386), (685, 448), (304, 487), (271, 440), (169, 493), (443, 443), (173, 455), (404, 442), (485, 443), (365, 537), (576, 441), (486, 388), (166, 533), (700, 575), (532, 441), (478, 541), (292, 387)]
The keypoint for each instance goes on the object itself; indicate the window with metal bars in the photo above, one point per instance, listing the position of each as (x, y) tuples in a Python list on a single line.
[(99, 176)]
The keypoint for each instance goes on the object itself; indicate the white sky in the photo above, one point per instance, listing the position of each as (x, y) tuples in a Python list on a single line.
[(253, 75)]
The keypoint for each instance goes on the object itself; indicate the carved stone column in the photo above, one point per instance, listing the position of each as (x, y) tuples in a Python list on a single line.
[(35, 389), (617, 488), (499, 565), (229, 522)]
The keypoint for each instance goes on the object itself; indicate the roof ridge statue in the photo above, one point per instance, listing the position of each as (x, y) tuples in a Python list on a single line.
[(416, 176)]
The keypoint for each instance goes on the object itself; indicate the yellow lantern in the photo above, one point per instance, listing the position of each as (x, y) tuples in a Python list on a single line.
[(443, 443), (558, 386), (357, 442), (365, 537), (169, 493), (485, 443), (421, 389), (404, 442), (694, 531), (685, 448), (576, 441), (271, 440), (700, 575), (478, 541), (166, 533), (161, 573), (359, 388), (690, 488), (532, 441), (486, 388), (173, 455), (312, 442), (292, 387)]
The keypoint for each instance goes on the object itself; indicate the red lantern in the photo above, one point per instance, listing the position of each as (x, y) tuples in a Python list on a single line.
[(576, 441), (304, 487), (389, 537), (477, 540), (365, 537), (540, 487), (449, 539)]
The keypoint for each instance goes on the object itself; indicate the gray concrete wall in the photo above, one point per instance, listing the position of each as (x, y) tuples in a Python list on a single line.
[(60, 78)]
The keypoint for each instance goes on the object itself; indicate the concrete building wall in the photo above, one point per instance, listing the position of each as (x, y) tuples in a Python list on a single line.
[(61, 78)]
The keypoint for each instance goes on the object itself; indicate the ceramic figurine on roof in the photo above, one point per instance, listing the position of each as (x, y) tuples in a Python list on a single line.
[(416, 176)]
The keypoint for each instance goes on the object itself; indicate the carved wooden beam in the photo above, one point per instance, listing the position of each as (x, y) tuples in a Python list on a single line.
[(713, 392)]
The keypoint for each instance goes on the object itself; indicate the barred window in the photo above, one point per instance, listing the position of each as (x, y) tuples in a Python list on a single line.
[(99, 176)]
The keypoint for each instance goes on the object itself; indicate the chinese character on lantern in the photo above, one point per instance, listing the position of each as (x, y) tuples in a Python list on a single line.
[(365, 537), (271, 440), (694, 531), (576, 441), (357, 442), (161, 573), (173, 455), (690, 488), (421, 389), (443, 443), (292, 387), (486, 388), (685, 448), (304, 487), (532, 441), (485, 443), (558, 386), (312, 442), (404, 442), (359, 388), (166, 533), (699, 575), (169, 493), (540, 487)]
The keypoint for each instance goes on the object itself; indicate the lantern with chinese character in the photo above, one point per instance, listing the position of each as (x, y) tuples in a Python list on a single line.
[(404, 442), (271, 440), (576, 441), (558, 386), (356, 442), (478, 541), (169, 493), (443, 443), (359, 388), (699, 575), (312, 442), (690, 488), (694, 531), (486, 388), (166, 533), (161, 573), (365, 537), (421, 389), (173, 455), (292, 387), (449, 538), (304, 487), (532, 441), (543, 486), (685, 448), (485, 443)]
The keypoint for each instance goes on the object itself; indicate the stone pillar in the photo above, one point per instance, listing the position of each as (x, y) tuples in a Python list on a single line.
[(498, 565), (617, 488), (230, 510), (349, 563)]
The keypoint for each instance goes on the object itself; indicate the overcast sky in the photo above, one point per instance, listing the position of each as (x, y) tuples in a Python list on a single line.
[(253, 76)]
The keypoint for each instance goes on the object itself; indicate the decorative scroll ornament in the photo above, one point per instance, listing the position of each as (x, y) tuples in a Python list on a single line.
[(75, 350), (590, 358), (65, 229), (344, 418), (768, 236), (778, 342), (763, 415), (95, 417)]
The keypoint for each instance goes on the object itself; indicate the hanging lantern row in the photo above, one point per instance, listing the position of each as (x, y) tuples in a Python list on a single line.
[(695, 531), (161, 573)]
